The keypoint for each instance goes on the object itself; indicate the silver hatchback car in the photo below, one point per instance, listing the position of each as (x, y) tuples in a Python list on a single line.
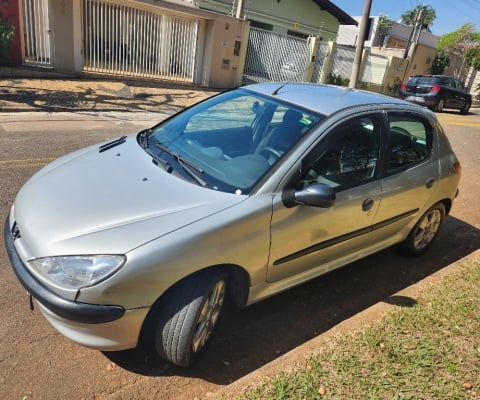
[(244, 195)]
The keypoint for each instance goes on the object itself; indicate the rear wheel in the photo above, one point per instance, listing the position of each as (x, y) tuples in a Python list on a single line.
[(425, 231), (440, 105), (465, 108), (188, 316)]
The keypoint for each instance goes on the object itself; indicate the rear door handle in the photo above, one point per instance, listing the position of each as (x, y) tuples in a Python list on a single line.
[(429, 183), (367, 204)]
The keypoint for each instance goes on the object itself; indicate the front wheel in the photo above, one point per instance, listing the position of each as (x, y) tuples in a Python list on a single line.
[(425, 231), (188, 315)]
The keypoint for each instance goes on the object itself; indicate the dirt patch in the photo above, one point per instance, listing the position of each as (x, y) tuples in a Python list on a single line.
[(98, 95)]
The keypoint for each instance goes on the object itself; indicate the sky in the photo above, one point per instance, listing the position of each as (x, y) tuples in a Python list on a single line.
[(451, 14)]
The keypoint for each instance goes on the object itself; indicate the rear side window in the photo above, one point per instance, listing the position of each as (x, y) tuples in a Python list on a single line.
[(410, 141)]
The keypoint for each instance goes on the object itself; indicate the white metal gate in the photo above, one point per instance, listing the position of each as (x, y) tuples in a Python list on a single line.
[(36, 32), (126, 40), (274, 57), (343, 62), (375, 69)]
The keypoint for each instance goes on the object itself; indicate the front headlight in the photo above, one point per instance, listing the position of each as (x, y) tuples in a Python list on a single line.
[(75, 272)]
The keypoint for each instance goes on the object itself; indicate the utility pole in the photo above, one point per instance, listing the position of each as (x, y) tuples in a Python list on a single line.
[(413, 34), (240, 7), (361, 39)]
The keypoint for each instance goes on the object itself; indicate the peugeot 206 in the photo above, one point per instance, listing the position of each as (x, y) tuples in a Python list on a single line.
[(243, 195)]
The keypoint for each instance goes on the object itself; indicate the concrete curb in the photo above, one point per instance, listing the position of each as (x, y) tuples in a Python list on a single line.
[(297, 358)]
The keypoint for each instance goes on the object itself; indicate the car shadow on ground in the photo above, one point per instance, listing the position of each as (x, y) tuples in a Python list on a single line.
[(249, 338), (99, 95)]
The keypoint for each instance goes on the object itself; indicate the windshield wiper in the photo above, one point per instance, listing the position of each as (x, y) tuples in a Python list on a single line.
[(143, 137), (186, 165), (108, 146)]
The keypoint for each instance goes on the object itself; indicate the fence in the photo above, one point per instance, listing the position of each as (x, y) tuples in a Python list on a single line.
[(131, 41), (36, 29), (275, 57)]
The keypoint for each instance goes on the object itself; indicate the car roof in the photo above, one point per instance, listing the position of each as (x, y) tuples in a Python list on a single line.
[(432, 76), (325, 99)]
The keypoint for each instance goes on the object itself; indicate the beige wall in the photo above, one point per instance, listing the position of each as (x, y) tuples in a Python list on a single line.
[(61, 14), (421, 63), (224, 55)]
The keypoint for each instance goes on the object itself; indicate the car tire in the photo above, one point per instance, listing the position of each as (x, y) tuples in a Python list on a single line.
[(188, 315), (425, 231), (466, 108), (440, 105)]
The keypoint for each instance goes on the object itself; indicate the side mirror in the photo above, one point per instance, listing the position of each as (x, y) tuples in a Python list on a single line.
[(316, 195)]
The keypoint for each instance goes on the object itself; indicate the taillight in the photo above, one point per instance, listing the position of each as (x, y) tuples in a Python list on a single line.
[(436, 89), (403, 87), (458, 167)]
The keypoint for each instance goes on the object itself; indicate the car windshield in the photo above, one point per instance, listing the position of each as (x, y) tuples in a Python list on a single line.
[(229, 142)]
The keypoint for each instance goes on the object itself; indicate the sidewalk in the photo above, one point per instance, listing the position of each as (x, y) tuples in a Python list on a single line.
[(52, 95)]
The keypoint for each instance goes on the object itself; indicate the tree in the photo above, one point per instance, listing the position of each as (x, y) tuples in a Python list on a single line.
[(472, 57), (383, 27), (462, 47), (440, 62), (424, 13), (7, 32)]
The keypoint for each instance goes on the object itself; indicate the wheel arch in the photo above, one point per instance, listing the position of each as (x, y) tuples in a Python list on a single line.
[(238, 284), (448, 205)]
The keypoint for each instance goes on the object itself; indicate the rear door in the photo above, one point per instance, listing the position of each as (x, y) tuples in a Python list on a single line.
[(410, 172), (450, 93), (463, 97)]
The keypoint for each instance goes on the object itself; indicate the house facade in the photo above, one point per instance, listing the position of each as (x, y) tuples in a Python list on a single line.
[(300, 18), (180, 40), (420, 54)]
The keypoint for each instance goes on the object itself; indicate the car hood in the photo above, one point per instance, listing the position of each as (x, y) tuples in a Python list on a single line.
[(92, 202)]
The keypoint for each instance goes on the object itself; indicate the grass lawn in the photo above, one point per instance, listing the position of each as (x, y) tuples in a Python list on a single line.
[(430, 350)]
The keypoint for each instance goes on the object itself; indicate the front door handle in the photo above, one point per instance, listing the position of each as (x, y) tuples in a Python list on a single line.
[(367, 204), (429, 183)]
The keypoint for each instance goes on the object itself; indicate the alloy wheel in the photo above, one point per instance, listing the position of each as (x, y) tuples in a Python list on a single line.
[(208, 316)]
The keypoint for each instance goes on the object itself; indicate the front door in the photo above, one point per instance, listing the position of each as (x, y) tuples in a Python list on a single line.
[(305, 239)]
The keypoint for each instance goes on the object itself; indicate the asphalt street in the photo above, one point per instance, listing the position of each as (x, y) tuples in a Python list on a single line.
[(272, 336)]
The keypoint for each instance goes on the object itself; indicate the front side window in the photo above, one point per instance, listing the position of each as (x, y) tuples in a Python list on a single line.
[(347, 156), (230, 141), (410, 141)]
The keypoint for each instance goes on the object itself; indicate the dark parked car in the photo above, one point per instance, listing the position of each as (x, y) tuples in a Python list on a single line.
[(437, 92)]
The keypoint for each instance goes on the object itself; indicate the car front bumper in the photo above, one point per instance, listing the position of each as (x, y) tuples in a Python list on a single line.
[(120, 334), (104, 327)]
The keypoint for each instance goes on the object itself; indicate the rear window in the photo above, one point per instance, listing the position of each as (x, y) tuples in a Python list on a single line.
[(423, 80)]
